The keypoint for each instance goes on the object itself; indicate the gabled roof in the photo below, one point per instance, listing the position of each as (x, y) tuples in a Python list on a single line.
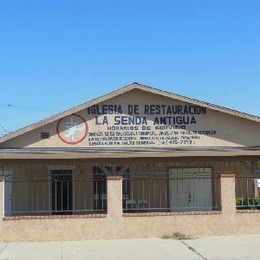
[(133, 86)]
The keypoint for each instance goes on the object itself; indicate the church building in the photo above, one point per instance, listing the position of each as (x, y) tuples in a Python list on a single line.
[(137, 162)]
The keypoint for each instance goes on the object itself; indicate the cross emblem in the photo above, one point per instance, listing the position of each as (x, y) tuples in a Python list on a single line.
[(76, 129), (71, 123)]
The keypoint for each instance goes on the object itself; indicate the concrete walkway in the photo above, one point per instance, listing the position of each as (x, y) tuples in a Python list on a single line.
[(215, 247)]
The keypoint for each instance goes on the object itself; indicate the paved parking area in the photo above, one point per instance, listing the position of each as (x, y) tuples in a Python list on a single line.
[(214, 247)]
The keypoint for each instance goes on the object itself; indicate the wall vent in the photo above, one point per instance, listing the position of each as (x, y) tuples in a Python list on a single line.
[(45, 135)]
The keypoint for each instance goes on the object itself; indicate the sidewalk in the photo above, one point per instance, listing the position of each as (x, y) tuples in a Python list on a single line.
[(215, 247)]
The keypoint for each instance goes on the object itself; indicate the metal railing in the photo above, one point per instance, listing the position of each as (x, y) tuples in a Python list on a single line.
[(80, 189), (62, 194), (145, 192), (160, 192), (247, 192)]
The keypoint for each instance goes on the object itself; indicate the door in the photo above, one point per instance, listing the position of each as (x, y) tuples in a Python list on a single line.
[(190, 189), (61, 187), (99, 189)]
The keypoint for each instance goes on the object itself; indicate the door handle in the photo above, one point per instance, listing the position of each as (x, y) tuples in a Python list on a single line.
[(189, 197)]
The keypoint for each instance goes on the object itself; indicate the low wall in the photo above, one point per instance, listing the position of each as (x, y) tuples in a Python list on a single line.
[(116, 224)]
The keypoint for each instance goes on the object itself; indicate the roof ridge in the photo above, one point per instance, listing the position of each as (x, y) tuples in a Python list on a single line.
[(203, 102)]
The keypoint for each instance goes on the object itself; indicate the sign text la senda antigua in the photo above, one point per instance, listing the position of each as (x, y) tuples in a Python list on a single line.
[(139, 115), (146, 125)]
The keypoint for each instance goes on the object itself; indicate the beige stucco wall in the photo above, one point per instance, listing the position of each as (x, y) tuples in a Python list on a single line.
[(228, 130), (118, 225)]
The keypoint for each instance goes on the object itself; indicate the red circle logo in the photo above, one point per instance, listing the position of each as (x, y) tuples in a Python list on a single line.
[(72, 129)]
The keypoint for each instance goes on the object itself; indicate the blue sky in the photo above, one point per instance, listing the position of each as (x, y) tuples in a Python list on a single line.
[(56, 54)]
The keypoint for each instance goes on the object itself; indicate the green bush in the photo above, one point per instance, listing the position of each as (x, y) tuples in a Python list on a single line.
[(251, 203)]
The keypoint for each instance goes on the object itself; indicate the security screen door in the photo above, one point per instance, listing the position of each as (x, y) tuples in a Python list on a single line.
[(61, 191), (190, 189)]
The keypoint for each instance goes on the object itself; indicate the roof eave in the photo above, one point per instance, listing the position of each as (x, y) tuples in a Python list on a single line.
[(128, 155)]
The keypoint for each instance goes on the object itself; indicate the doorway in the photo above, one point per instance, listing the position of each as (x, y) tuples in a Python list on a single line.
[(62, 192), (190, 189)]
